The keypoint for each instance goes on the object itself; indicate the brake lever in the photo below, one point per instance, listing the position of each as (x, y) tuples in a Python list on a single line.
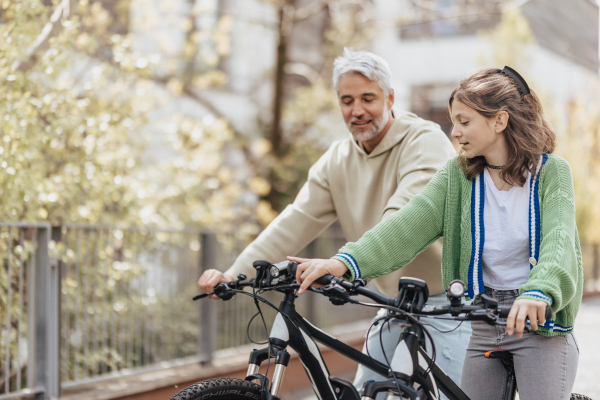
[(201, 296), (221, 291), (336, 294), (487, 316)]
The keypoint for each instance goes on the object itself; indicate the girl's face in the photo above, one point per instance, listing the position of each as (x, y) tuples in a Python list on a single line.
[(477, 135)]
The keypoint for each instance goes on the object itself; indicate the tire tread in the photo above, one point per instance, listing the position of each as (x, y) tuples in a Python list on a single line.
[(192, 391), (576, 396)]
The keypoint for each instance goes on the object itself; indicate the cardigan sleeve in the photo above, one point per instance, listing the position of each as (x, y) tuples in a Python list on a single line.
[(555, 277), (399, 238)]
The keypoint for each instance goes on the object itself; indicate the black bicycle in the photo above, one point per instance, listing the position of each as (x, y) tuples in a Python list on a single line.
[(412, 373)]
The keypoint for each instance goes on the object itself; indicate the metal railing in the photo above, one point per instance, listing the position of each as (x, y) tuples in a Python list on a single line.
[(82, 303), (28, 312)]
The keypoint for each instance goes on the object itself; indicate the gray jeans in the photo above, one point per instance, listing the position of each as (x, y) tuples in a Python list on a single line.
[(545, 367)]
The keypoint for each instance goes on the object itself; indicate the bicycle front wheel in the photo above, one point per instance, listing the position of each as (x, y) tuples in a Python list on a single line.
[(220, 389), (575, 396)]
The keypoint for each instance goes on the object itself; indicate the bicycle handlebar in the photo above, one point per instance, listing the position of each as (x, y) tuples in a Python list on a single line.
[(225, 291)]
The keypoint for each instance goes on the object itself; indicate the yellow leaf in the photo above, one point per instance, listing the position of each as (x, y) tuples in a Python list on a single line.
[(259, 185), (175, 86)]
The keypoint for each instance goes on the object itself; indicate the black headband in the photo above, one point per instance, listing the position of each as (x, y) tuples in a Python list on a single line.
[(518, 79)]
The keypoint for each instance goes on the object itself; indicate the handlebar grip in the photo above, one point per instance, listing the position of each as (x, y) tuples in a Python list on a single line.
[(548, 313), (324, 280), (504, 310)]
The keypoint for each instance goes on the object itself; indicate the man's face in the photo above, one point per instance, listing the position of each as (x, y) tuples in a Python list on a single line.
[(364, 107)]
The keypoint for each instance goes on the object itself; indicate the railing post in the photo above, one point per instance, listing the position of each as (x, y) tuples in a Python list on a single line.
[(46, 319), (207, 340), (54, 320)]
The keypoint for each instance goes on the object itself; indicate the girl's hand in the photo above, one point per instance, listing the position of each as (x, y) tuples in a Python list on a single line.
[(310, 270), (535, 310)]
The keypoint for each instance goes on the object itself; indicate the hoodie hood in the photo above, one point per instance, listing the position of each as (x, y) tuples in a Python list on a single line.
[(404, 122)]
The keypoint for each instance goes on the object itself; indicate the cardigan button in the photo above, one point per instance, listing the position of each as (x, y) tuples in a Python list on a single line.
[(532, 261)]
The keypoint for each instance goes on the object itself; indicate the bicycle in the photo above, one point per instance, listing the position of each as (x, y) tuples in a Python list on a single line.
[(418, 379)]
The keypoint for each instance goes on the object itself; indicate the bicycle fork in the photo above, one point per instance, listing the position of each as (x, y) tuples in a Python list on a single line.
[(282, 359)]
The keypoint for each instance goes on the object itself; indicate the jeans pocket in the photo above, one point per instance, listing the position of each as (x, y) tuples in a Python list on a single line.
[(574, 341)]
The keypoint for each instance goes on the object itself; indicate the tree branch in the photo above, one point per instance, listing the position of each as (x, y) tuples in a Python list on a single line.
[(42, 42)]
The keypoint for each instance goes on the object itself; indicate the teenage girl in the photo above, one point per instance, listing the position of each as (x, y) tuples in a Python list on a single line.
[(506, 210)]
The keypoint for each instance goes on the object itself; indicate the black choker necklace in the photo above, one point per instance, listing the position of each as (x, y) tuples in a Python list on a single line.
[(494, 166)]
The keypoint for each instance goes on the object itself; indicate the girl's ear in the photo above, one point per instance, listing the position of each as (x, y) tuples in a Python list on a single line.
[(501, 121)]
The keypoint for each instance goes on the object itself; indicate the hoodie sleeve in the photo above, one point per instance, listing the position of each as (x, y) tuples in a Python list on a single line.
[(399, 238), (425, 153), (298, 224)]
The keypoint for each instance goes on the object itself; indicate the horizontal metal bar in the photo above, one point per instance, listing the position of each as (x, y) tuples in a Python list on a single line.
[(192, 360), (22, 224), (22, 393), (137, 229)]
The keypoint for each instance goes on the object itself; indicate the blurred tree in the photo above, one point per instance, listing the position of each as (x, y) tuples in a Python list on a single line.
[(508, 43), (81, 108), (66, 151), (76, 123), (304, 105), (580, 145)]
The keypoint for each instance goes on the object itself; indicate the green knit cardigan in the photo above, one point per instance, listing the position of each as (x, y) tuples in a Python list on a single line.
[(451, 206)]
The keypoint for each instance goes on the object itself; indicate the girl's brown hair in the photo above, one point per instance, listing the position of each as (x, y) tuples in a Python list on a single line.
[(528, 135)]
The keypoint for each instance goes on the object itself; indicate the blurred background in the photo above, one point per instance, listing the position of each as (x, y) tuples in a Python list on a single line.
[(142, 141)]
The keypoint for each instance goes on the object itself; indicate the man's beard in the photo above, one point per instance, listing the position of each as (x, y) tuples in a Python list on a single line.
[(377, 126)]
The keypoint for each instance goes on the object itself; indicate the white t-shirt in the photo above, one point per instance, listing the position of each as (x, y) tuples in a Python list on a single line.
[(506, 247)]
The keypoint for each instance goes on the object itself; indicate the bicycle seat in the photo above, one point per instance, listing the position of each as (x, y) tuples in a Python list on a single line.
[(499, 354)]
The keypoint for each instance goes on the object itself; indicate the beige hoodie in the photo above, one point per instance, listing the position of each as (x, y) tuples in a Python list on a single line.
[(360, 190)]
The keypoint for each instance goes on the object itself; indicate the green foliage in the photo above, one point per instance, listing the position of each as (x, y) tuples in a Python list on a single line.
[(580, 145), (78, 119), (66, 151), (508, 43), (75, 127)]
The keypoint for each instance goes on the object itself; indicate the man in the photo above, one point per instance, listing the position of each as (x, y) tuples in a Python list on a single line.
[(389, 158)]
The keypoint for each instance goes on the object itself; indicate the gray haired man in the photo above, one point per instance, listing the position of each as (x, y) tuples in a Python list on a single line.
[(388, 157)]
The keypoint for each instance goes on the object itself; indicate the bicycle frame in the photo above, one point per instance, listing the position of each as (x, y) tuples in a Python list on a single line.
[(300, 335), (409, 348)]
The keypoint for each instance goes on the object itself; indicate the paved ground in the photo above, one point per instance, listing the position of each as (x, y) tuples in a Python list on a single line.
[(587, 334)]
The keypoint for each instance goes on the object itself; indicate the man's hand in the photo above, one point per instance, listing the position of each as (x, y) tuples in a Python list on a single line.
[(211, 278), (535, 310), (310, 270)]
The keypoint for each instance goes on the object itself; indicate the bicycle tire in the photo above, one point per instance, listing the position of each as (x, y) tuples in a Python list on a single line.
[(575, 396), (231, 388)]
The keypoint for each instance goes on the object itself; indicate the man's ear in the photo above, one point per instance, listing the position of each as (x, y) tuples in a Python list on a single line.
[(390, 99), (501, 121)]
